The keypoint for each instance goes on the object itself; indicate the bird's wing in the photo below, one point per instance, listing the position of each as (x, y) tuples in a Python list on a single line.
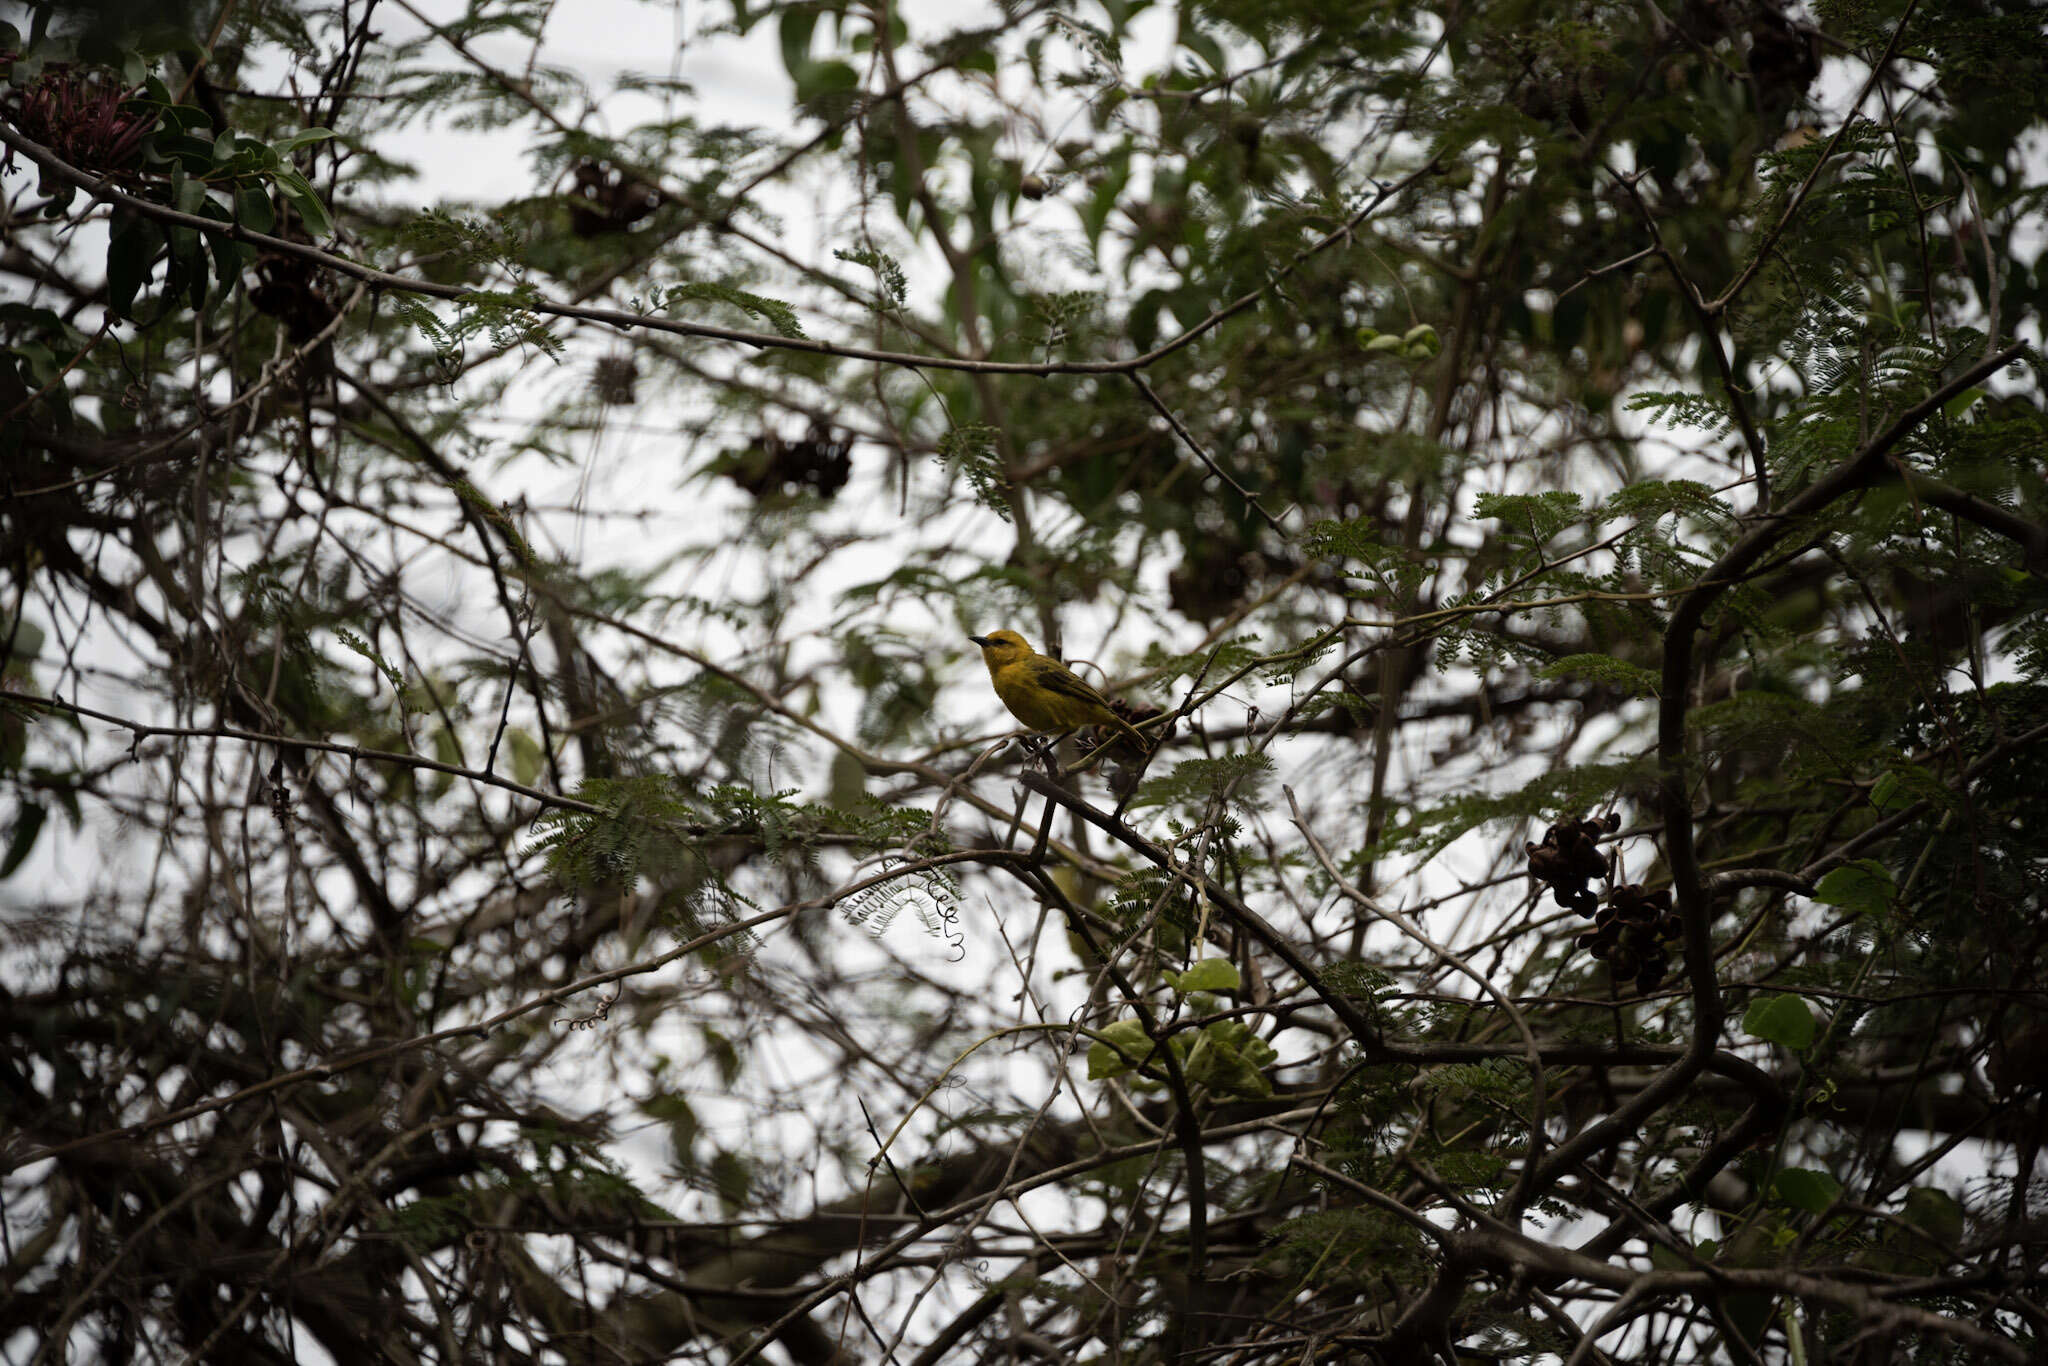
[(1064, 681)]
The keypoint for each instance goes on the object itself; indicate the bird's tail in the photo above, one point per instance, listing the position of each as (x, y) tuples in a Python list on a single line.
[(1130, 732)]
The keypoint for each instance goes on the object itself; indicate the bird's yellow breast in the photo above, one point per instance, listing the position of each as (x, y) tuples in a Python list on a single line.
[(1022, 687)]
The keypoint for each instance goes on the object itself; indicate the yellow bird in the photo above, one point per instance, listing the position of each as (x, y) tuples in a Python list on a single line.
[(1045, 694)]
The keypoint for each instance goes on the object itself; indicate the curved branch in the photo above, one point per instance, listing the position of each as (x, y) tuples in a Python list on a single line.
[(1675, 798)]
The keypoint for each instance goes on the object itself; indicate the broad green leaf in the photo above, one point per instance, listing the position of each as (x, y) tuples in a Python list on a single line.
[(1936, 1214), (1782, 1020), (527, 757), (1888, 794), (1864, 887), (798, 22), (823, 78), (300, 139), (1802, 1188), (1421, 342), (1211, 974), (1228, 1057), (28, 823), (253, 209), (131, 252), (299, 192), (1962, 403), (1117, 1049)]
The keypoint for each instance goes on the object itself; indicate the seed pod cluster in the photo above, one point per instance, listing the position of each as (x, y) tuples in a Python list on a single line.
[(607, 201), (1125, 761), (615, 380), (1569, 858), (822, 462), (1631, 934), (292, 293)]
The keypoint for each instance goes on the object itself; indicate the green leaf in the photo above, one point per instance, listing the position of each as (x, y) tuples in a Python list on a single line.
[(229, 259), (1211, 974), (300, 139), (732, 1177), (1229, 1058), (1936, 1214), (824, 78), (1864, 887), (1962, 403), (1802, 1188), (448, 750), (1664, 1258), (1117, 1049), (527, 758), (1888, 794), (28, 823), (187, 271), (253, 209), (797, 23), (131, 252), (1200, 781), (720, 1049), (298, 191), (369, 652), (1782, 1020), (887, 271)]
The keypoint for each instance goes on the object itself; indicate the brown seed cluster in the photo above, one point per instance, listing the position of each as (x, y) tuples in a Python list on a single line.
[(606, 201), (615, 380), (1632, 931), (1569, 858), (1630, 934), (292, 293), (822, 462)]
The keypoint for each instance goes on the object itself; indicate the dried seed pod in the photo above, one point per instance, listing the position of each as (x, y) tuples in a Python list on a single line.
[(1548, 863), (1586, 859), (821, 461), (1569, 857), (607, 201)]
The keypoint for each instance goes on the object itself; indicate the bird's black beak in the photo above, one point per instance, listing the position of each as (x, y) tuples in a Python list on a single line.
[(980, 640)]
